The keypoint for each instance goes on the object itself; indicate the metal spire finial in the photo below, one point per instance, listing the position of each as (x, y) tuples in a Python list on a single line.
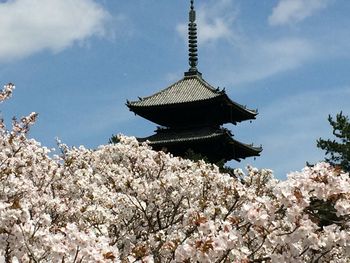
[(192, 41)]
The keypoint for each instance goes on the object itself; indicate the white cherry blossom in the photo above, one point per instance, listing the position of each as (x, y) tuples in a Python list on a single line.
[(128, 203)]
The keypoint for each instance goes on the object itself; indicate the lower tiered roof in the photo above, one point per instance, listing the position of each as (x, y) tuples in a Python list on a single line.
[(215, 143)]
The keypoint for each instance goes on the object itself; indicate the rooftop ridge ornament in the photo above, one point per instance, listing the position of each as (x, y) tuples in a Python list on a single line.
[(192, 43)]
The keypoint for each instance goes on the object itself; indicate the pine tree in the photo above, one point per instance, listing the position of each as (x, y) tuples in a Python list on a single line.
[(338, 150)]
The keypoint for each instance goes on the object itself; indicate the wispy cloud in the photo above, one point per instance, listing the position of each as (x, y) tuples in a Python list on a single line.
[(268, 57), (30, 26), (257, 60), (215, 21), (293, 11)]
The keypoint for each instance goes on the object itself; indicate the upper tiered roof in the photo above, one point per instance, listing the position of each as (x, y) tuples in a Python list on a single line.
[(189, 89), (192, 96)]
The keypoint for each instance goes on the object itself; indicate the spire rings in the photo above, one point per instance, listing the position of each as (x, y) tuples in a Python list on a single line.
[(192, 39)]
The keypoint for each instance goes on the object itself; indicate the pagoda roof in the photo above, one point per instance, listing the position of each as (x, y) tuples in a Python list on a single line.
[(207, 137), (192, 88), (188, 89), (164, 135)]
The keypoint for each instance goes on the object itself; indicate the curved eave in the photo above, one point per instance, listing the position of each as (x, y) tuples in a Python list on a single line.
[(134, 105), (194, 97), (249, 149), (209, 138), (218, 111), (242, 108)]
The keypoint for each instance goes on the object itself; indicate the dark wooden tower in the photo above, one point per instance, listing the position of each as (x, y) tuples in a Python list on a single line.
[(191, 113)]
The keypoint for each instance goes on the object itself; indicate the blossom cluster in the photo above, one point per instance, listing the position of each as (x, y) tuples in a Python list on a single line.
[(6, 92), (127, 203)]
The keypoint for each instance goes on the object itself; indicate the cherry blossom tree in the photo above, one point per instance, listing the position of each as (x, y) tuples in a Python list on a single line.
[(128, 203)]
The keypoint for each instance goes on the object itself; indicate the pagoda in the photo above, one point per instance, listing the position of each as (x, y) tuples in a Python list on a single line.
[(191, 113)]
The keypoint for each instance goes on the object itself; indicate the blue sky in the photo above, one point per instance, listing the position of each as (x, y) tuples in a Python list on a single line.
[(76, 62)]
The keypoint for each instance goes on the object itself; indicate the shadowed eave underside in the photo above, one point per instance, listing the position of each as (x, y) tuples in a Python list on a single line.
[(178, 142), (188, 91)]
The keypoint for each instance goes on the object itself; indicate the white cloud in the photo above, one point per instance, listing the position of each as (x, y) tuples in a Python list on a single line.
[(292, 11), (275, 57), (214, 21), (30, 26)]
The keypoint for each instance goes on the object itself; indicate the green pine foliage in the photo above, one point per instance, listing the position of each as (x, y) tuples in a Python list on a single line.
[(338, 149), (114, 139)]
